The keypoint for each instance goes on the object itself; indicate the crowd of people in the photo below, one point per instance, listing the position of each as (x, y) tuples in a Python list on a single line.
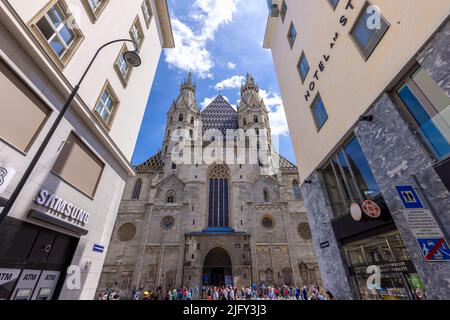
[(254, 292)]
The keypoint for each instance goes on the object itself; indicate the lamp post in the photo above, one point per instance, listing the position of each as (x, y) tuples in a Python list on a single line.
[(132, 58)]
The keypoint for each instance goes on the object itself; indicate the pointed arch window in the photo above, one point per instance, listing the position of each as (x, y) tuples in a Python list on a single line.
[(137, 189), (218, 213), (171, 197), (266, 195), (255, 119), (296, 189), (192, 120), (244, 122), (191, 134), (171, 119), (181, 118)]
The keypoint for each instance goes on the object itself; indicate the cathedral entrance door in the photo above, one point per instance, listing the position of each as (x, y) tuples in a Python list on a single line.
[(217, 268)]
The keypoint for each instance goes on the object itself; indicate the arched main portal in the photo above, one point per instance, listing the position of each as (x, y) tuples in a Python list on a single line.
[(217, 268)]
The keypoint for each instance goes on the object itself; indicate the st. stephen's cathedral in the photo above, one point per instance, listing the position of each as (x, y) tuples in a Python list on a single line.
[(198, 222)]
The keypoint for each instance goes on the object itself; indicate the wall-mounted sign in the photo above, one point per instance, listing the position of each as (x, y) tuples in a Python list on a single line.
[(409, 197), (428, 235), (6, 175), (356, 212), (98, 248), (325, 244), (60, 212), (371, 209), (321, 67)]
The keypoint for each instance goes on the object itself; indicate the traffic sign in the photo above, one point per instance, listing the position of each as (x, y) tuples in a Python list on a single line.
[(409, 197), (434, 249)]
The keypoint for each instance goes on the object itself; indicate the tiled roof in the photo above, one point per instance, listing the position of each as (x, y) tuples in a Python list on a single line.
[(154, 164), (219, 115)]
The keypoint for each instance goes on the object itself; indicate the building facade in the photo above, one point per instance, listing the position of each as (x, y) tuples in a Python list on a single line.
[(211, 221), (54, 240), (368, 82)]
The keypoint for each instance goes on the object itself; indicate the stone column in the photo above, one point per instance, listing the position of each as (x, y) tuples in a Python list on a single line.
[(149, 210), (333, 269), (272, 258), (253, 243), (181, 246), (161, 258), (291, 245)]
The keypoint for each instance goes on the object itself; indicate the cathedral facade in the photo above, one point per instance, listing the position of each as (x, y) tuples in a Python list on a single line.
[(194, 215)]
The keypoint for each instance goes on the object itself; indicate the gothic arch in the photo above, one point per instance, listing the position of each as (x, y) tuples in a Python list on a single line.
[(218, 196), (137, 189)]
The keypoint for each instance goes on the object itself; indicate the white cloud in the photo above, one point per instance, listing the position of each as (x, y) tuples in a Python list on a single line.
[(231, 65), (230, 83), (277, 115), (190, 52)]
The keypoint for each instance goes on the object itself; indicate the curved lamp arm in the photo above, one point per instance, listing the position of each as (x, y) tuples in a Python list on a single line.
[(136, 48)]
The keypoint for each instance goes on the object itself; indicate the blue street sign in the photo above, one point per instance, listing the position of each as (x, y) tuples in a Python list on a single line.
[(434, 249), (409, 197), (98, 248)]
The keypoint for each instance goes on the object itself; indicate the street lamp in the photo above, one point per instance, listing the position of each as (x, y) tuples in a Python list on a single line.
[(132, 58)]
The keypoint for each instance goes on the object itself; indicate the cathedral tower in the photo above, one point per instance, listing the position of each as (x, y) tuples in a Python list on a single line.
[(252, 114), (183, 121)]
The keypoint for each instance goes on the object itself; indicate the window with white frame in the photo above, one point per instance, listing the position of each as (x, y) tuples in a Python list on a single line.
[(107, 105), (122, 67), (57, 29), (94, 8), (136, 32), (147, 12)]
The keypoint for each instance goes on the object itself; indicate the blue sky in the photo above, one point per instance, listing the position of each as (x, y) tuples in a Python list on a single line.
[(220, 40)]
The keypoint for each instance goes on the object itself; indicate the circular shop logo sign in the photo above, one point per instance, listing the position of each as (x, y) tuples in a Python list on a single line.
[(371, 209)]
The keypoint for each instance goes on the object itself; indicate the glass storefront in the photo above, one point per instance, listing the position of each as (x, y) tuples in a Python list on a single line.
[(399, 279)]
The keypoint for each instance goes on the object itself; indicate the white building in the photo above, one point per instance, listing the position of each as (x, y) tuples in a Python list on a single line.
[(366, 86), (44, 48)]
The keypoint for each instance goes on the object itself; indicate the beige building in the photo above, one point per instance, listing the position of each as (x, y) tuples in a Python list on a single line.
[(65, 214), (211, 221), (366, 86)]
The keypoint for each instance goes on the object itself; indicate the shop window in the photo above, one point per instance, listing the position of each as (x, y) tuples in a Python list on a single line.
[(79, 166), (348, 178), (369, 29), (20, 108), (55, 28), (399, 280), (319, 112), (147, 12), (136, 32), (428, 107), (94, 8), (292, 35)]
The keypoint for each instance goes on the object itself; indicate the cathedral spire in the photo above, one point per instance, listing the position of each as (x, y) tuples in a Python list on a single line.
[(249, 85), (188, 84)]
